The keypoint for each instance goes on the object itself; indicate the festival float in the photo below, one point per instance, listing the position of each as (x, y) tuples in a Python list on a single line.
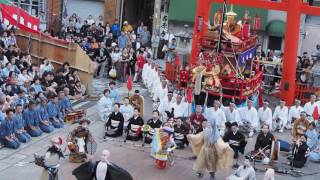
[(224, 64)]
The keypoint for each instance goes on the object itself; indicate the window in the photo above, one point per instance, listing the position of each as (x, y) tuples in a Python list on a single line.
[(275, 43)]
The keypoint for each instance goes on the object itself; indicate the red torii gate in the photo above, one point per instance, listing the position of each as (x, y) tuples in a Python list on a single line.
[(294, 9)]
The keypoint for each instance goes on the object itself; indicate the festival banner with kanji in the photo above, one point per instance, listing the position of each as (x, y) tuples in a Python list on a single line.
[(247, 55), (15, 16), (164, 22)]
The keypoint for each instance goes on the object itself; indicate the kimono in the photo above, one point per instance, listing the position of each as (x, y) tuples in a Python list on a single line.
[(65, 105), (127, 112), (79, 137), (44, 123), (309, 108), (8, 131), (32, 122), (231, 116), (265, 116), (180, 135), (294, 113), (263, 141), (219, 116), (114, 125), (300, 127), (314, 155), (88, 171), (114, 95), (153, 124), (181, 110), (134, 132), (196, 121), (105, 107), (20, 132), (312, 139), (55, 116), (236, 141), (250, 116), (280, 115), (51, 160)]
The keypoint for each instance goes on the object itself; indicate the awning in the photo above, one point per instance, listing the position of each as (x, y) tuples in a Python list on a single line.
[(276, 28)]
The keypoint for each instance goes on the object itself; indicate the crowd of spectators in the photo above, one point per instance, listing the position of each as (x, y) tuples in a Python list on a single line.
[(27, 86)]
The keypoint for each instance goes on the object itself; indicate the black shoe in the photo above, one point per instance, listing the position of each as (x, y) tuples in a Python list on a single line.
[(212, 176), (199, 175), (193, 158), (235, 166)]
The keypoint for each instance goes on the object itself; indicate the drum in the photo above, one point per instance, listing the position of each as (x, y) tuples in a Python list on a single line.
[(161, 164), (80, 113), (70, 118)]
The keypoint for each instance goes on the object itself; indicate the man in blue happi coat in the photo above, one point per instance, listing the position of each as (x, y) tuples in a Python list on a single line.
[(114, 93), (55, 115), (44, 123), (32, 121), (19, 122), (8, 131), (64, 104)]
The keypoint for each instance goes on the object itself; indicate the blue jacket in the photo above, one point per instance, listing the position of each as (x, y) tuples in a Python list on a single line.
[(7, 128), (115, 29), (53, 110), (42, 113), (19, 121), (30, 117)]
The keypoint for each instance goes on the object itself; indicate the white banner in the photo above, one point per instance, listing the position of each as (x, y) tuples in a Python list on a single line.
[(164, 22)]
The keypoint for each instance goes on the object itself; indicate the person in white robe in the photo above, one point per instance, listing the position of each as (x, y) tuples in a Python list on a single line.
[(105, 105), (249, 118), (231, 112), (244, 172), (180, 107), (145, 71), (161, 91), (127, 111), (155, 84), (295, 111), (218, 114), (280, 116), (265, 114), (166, 105), (309, 107)]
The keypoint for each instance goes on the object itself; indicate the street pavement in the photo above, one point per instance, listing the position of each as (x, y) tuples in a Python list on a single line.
[(130, 156)]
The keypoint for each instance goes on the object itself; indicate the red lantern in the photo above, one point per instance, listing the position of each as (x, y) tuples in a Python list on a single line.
[(256, 23)]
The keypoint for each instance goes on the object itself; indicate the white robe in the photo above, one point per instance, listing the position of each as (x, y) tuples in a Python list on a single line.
[(218, 115), (309, 108), (294, 112), (181, 110), (160, 93), (166, 105), (265, 115), (105, 107), (233, 116), (282, 114), (250, 115), (243, 174), (101, 170), (145, 71)]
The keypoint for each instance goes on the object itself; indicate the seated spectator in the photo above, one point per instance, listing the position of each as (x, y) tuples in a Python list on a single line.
[(64, 103), (30, 116), (55, 116), (23, 77), (134, 132), (37, 86), (8, 131), (46, 66), (22, 99), (126, 27), (44, 123), (114, 125), (20, 131)]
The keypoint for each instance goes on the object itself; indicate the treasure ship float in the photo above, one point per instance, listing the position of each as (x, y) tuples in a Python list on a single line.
[(225, 64)]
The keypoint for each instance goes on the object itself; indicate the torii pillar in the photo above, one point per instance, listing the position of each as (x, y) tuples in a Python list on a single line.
[(292, 36)]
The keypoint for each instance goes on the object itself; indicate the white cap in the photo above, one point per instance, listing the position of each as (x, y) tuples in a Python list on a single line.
[(113, 44)]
